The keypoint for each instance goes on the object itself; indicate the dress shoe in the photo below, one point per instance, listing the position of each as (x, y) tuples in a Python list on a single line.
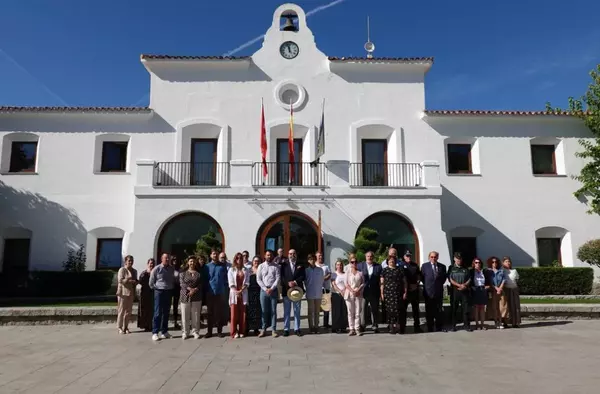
[(286, 333), (298, 333)]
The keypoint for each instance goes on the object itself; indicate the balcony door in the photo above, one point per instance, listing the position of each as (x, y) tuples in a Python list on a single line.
[(284, 165), (203, 166), (374, 162)]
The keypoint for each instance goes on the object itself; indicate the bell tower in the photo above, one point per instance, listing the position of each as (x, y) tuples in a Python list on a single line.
[(289, 49)]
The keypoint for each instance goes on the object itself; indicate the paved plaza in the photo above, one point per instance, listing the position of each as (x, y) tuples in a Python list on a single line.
[(544, 357)]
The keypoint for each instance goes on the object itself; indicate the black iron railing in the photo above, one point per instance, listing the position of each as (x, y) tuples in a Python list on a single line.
[(191, 174), (289, 174), (386, 174)]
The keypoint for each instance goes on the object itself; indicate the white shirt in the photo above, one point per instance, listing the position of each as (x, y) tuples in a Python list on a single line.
[(479, 279), (370, 269), (326, 271), (339, 280), (510, 278)]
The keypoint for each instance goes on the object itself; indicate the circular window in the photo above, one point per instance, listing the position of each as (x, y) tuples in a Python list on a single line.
[(288, 92)]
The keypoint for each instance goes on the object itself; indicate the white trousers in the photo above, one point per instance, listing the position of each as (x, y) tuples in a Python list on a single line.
[(190, 316), (354, 306)]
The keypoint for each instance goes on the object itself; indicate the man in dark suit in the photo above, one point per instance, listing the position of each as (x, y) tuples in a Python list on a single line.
[(433, 275), (292, 274), (412, 272), (372, 291)]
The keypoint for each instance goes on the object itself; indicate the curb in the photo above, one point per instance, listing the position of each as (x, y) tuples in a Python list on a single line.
[(90, 315)]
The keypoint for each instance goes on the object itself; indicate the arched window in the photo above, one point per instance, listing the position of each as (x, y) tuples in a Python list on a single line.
[(553, 247), (180, 234), (393, 230)]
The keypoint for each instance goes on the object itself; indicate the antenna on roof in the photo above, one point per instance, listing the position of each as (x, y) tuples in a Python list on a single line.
[(369, 46)]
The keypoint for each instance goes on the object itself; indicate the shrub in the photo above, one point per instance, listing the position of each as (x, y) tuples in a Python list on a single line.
[(551, 280), (366, 240), (206, 243), (70, 283), (75, 260), (590, 252)]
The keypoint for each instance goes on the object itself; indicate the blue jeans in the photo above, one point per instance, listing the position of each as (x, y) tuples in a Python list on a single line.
[(162, 306), (287, 306), (268, 303)]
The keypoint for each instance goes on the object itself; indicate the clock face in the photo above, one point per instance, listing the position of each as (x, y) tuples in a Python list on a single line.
[(289, 50)]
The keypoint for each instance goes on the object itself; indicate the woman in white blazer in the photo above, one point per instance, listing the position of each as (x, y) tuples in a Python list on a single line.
[(238, 279)]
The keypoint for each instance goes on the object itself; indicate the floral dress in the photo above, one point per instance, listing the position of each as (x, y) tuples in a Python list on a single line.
[(393, 290)]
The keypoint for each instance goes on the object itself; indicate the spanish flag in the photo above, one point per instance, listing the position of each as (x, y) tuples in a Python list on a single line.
[(263, 141), (291, 155)]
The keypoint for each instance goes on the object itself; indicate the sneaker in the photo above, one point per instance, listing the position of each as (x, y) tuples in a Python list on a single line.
[(165, 335), (242, 335), (501, 327), (262, 334), (274, 334), (196, 335), (155, 337), (184, 336), (236, 335), (121, 331)]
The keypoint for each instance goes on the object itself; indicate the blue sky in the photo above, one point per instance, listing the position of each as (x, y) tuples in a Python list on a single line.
[(510, 54)]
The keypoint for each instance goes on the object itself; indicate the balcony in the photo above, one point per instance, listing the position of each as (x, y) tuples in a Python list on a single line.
[(400, 175), (279, 174), (180, 174), (242, 178)]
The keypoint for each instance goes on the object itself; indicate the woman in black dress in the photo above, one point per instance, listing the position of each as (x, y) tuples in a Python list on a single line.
[(254, 311), (146, 299), (339, 312), (393, 292)]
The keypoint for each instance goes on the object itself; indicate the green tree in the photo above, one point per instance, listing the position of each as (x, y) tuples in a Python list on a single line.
[(75, 260), (587, 108), (206, 243), (365, 241), (590, 252)]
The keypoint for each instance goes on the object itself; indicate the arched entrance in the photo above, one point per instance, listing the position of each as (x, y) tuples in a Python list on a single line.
[(180, 234), (394, 230), (288, 230)]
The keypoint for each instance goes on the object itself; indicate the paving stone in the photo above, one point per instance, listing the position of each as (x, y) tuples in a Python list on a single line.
[(95, 359)]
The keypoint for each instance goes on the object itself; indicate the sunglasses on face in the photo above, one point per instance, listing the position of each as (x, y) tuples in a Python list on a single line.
[(353, 262)]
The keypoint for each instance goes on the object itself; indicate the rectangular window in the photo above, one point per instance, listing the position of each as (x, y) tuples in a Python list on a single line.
[(16, 256), (467, 247), (459, 159), (108, 253), (548, 251), (543, 159), (114, 156), (23, 156), (204, 162), (374, 162), (283, 163)]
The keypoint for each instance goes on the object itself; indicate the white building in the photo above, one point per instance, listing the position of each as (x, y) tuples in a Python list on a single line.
[(145, 180)]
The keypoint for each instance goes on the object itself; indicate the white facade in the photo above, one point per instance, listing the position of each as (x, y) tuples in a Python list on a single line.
[(67, 200)]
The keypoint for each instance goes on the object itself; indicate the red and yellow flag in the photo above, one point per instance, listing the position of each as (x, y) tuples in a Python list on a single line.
[(263, 141)]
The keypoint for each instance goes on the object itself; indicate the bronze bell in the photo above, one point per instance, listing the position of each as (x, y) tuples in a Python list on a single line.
[(289, 25)]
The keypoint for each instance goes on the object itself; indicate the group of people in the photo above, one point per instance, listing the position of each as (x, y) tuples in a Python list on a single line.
[(246, 292)]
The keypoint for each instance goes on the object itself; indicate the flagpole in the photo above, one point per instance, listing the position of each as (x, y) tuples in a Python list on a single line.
[(319, 237)]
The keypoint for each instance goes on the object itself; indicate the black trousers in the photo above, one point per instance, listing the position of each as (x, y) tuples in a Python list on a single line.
[(460, 299), (176, 295), (412, 298), (434, 313)]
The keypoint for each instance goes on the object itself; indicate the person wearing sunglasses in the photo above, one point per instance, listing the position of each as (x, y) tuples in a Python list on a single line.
[(353, 294), (479, 293)]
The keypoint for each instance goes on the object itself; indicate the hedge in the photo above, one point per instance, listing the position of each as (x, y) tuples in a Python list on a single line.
[(555, 280), (70, 284)]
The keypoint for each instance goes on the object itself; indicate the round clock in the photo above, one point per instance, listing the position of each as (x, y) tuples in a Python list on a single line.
[(289, 50)]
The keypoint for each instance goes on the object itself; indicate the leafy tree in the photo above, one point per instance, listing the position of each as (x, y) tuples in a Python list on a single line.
[(587, 108), (590, 252), (75, 260), (206, 243)]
